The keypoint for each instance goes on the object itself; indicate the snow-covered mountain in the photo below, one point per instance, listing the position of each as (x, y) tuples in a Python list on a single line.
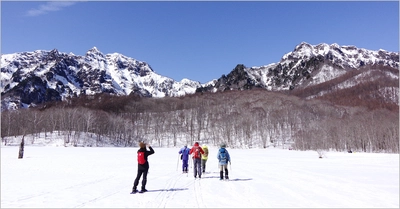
[(311, 65), (306, 65), (31, 78)]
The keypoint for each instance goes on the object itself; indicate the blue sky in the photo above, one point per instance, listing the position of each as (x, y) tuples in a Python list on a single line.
[(197, 40)]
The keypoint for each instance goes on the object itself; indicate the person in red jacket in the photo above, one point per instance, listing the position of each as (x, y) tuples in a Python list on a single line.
[(196, 153), (143, 167)]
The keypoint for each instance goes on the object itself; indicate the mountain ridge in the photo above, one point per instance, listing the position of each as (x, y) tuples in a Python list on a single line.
[(309, 66), (304, 57), (32, 78)]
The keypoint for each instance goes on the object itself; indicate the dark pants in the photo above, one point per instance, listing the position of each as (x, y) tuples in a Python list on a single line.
[(141, 171), (203, 165), (184, 165), (197, 167), (223, 168)]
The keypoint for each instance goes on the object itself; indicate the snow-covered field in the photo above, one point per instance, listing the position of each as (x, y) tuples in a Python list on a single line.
[(94, 177)]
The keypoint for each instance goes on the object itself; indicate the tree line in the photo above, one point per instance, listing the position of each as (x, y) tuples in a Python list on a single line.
[(243, 119)]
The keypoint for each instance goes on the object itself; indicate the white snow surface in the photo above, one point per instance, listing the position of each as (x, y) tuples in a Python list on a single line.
[(102, 177)]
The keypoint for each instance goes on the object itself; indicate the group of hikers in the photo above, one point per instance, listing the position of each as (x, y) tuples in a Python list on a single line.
[(199, 155)]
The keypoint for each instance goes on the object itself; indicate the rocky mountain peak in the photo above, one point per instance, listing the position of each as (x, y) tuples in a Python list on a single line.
[(93, 50), (54, 51), (303, 46), (94, 53)]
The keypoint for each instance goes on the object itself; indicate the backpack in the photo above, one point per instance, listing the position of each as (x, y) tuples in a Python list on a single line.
[(141, 159), (222, 155), (197, 152), (205, 151)]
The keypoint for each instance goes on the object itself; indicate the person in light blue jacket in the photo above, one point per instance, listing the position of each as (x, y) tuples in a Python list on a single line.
[(223, 159), (185, 158)]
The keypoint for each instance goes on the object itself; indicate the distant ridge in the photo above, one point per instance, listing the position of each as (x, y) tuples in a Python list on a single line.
[(32, 78)]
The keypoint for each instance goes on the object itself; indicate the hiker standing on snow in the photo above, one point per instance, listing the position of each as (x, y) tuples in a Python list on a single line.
[(196, 151), (143, 166), (223, 158), (185, 158), (204, 158)]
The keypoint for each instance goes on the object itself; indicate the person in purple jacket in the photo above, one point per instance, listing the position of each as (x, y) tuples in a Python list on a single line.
[(185, 158)]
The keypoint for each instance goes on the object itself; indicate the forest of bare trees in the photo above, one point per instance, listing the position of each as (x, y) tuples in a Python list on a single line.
[(242, 119)]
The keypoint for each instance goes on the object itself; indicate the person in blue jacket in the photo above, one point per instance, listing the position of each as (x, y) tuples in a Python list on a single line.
[(185, 158), (223, 159)]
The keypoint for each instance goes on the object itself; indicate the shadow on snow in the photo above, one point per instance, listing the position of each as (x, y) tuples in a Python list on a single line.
[(167, 190), (240, 179), (209, 177), (217, 177)]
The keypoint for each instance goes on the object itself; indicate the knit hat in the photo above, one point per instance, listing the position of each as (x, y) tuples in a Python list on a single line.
[(196, 144), (142, 145), (223, 145)]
